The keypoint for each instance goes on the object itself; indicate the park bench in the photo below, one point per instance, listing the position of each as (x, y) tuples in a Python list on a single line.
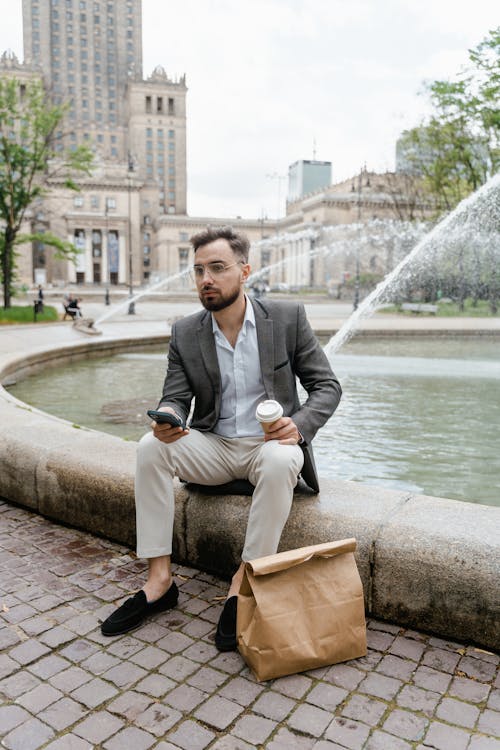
[(419, 307)]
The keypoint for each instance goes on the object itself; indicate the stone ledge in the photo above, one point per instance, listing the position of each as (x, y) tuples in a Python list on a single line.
[(428, 563)]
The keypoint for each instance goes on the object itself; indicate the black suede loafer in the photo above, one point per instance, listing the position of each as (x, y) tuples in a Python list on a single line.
[(136, 609), (225, 636)]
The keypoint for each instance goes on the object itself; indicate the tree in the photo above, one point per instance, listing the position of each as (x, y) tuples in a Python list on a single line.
[(457, 148), (28, 160)]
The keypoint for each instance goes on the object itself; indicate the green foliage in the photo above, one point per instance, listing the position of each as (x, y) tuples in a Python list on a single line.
[(28, 159), (24, 314), (457, 148)]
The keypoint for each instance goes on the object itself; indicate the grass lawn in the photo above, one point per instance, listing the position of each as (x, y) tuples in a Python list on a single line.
[(450, 310), (24, 314)]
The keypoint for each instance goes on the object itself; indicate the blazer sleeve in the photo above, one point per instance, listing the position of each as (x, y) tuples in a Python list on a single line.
[(313, 370), (177, 391)]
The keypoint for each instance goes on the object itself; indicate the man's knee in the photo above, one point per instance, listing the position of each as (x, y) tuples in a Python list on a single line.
[(280, 460), (150, 450)]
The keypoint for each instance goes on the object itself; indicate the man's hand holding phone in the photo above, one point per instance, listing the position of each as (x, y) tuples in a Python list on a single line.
[(167, 426)]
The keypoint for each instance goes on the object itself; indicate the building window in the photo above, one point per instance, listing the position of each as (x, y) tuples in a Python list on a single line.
[(94, 201), (110, 203), (171, 133), (148, 104), (78, 201), (159, 104), (171, 108)]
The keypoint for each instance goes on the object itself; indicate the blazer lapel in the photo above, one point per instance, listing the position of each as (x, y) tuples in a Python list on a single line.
[(209, 353), (264, 327)]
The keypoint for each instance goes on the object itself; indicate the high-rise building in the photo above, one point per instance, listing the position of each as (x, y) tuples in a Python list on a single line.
[(89, 54), (306, 176)]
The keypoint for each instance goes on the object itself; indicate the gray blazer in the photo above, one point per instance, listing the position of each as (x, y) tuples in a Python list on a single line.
[(288, 349)]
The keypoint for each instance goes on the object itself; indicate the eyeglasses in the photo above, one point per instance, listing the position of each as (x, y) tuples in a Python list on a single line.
[(214, 269)]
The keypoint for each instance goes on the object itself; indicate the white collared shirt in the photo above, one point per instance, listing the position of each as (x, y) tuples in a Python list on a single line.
[(241, 376)]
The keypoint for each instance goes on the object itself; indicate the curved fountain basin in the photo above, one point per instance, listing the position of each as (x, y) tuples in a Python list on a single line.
[(429, 563)]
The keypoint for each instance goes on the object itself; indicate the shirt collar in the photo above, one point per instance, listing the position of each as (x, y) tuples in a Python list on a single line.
[(249, 318)]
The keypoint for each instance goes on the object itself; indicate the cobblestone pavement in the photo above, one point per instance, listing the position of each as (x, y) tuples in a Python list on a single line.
[(65, 687)]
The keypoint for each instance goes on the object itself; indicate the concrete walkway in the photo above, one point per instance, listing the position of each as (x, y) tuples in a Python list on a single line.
[(165, 686)]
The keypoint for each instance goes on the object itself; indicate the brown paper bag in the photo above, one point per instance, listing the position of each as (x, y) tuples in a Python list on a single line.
[(301, 609)]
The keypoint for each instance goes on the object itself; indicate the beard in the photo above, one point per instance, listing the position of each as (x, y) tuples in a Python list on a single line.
[(221, 301)]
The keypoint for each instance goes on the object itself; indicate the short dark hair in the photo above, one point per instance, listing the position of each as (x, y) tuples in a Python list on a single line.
[(239, 242)]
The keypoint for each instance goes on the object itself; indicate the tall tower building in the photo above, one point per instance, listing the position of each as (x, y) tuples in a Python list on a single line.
[(89, 54)]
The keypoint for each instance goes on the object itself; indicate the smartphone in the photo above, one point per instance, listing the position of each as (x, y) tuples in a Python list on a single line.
[(166, 417)]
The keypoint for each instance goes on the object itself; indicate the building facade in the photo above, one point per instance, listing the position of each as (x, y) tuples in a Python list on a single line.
[(89, 53)]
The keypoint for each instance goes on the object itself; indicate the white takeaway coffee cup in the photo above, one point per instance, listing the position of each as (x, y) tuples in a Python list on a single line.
[(268, 412)]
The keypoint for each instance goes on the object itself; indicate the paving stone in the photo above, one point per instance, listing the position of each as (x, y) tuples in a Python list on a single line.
[(56, 636), (326, 696), (99, 663), (36, 625), (326, 745), (7, 666), (218, 712), (191, 736), (207, 679), (380, 686), (70, 679), (457, 712), (48, 666), (394, 666), (124, 674), (130, 704), (174, 642), (254, 729), (185, 698), (29, 736), (93, 693), (130, 737), (406, 725), (79, 650), (19, 683), (430, 679), (8, 638), (469, 690), (295, 686), (387, 627), (347, 732), (155, 684), (441, 659), (344, 676), (17, 614), (178, 668), (443, 643), (382, 741), (489, 722), (230, 662), (479, 653), (68, 742), (309, 720), (158, 719), (228, 742), (286, 740), (11, 716), (273, 706), (241, 690), (418, 699), (407, 648), (39, 698), (98, 727), (151, 632), (201, 651), (124, 647), (197, 628), (475, 668), (62, 714), (28, 651), (363, 708), (149, 658), (494, 700), (444, 737), (484, 743), (378, 640)]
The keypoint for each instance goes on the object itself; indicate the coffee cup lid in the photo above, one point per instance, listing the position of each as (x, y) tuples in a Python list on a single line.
[(268, 411)]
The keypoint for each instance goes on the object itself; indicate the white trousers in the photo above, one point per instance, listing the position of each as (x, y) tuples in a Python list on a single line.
[(206, 458)]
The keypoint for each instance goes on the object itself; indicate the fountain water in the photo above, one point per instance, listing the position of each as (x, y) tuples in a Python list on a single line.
[(479, 214), (139, 295)]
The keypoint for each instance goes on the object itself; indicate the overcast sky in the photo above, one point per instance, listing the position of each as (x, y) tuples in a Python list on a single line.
[(269, 80)]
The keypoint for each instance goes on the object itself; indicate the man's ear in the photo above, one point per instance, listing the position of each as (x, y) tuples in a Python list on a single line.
[(245, 271)]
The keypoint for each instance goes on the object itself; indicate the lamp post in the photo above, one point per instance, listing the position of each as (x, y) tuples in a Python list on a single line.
[(131, 306), (106, 294), (358, 248)]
